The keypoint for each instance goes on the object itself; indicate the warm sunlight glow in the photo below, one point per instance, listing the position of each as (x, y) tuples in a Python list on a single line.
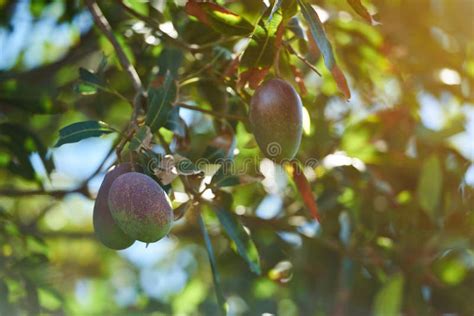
[(449, 77)]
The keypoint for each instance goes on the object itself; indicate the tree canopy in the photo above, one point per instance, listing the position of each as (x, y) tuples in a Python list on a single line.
[(374, 215)]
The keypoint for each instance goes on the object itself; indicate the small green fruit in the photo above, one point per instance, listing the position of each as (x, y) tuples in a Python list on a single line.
[(140, 207), (276, 116), (105, 227)]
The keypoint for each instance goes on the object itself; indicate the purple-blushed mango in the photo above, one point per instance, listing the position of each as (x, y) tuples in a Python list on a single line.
[(105, 227), (140, 207), (276, 116)]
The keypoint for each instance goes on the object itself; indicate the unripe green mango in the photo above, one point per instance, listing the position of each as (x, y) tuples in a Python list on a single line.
[(140, 207), (105, 227), (276, 116)]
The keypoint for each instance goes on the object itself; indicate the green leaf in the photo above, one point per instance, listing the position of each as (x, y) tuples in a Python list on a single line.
[(142, 139), (319, 36), (186, 167), (19, 143), (170, 59), (388, 300), (82, 130), (236, 232), (138, 6), (430, 185), (175, 123), (213, 263), (85, 89), (223, 178), (263, 45), (219, 18), (160, 103), (90, 77)]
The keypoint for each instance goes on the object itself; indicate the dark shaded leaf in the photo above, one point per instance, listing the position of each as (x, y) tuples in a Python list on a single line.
[(90, 77), (175, 123), (236, 232), (160, 103), (141, 139), (82, 130), (20, 143), (170, 60), (294, 25), (213, 263)]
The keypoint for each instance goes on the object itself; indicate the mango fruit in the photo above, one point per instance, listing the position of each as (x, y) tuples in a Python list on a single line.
[(276, 117), (140, 207), (105, 227)]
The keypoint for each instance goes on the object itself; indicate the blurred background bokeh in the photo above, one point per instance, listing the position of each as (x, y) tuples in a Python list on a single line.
[(394, 182)]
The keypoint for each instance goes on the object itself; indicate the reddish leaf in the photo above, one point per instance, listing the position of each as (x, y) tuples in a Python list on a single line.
[(341, 81), (253, 77), (305, 190), (361, 10), (299, 80)]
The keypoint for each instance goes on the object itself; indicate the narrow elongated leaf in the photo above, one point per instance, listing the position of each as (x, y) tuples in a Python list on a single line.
[(219, 18), (142, 139), (276, 6), (319, 36), (305, 190), (430, 185), (82, 130), (361, 10), (213, 263), (263, 45), (170, 59), (261, 50), (160, 103), (175, 123), (19, 143), (90, 77), (236, 232), (388, 300)]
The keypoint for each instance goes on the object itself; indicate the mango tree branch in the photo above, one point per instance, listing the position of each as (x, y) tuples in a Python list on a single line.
[(54, 193), (213, 113), (106, 29)]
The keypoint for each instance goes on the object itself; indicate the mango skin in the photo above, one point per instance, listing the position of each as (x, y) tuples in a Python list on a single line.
[(276, 116), (140, 207), (105, 227)]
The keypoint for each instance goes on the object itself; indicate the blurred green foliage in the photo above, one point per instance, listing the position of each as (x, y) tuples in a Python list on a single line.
[(397, 219)]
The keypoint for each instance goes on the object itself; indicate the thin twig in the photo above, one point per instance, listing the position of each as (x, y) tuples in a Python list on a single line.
[(213, 113), (55, 193), (106, 29), (156, 26), (304, 60)]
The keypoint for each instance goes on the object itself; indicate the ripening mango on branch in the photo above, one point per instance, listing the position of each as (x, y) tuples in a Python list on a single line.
[(105, 227), (276, 116), (140, 207)]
